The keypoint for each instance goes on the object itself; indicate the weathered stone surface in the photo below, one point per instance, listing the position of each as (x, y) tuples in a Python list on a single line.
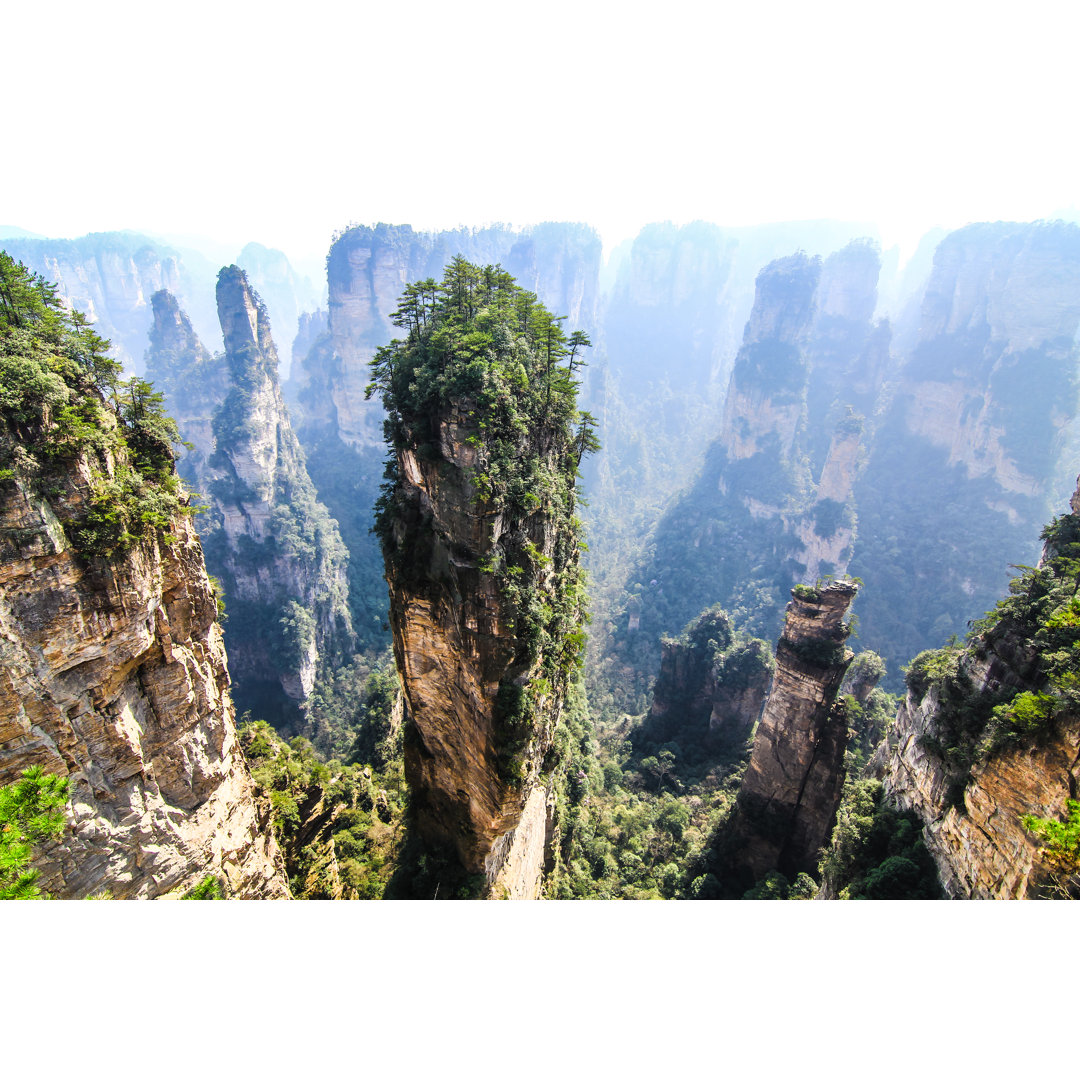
[(787, 803), (706, 697), (115, 675), (453, 650), (981, 849), (265, 535)]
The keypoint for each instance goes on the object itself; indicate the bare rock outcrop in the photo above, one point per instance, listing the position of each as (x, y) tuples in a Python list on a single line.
[(981, 849), (971, 788), (114, 674), (457, 655)]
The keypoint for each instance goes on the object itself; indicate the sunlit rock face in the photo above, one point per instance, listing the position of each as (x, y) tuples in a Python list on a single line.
[(981, 849), (454, 649), (977, 838), (114, 674)]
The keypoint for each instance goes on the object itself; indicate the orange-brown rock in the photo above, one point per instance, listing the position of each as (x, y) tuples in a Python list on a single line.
[(455, 650), (982, 850), (114, 675)]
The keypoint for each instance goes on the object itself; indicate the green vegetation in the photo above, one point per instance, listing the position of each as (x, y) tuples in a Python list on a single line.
[(340, 826), (631, 823), (31, 811), (706, 670), (777, 887), (876, 852), (484, 351), (1060, 848), (61, 397), (1037, 626), (211, 887)]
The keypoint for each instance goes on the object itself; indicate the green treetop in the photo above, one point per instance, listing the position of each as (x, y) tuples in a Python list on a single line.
[(61, 395)]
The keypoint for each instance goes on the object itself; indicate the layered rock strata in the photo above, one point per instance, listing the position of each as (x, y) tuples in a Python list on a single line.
[(788, 799), (114, 675), (981, 849), (457, 651)]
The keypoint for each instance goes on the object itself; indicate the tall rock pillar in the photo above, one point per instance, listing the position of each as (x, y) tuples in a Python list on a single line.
[(789, 796)]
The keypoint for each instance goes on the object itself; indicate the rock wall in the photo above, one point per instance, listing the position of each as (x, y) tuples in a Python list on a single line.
[(969, 441), (774, 502), (976, 837), (710, 689), (114, 674), (273, 545), (455, 650), (790, 792), (981, 849), (194, 383)]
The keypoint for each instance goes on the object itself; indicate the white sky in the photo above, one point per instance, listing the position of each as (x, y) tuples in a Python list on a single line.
[(281, 123)]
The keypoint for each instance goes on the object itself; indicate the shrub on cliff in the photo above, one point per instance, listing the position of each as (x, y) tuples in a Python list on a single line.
[(1037, 624), (61, 395)]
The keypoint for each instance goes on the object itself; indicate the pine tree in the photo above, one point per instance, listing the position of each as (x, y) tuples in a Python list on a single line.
[(31, 810)]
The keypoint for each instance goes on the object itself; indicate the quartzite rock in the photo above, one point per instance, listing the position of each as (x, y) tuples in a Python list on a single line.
[(787, 803), (453, 649), (276, 549), (114, 675)]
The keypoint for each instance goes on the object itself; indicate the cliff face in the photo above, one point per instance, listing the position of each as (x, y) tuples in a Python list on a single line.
[(791, 790), (773, 504), (275, 548), (286, 294), (981, 849), (972, 436), (341, 432), (194, 383), (114, 674), (482, 560), (990, 733), (457, 651)]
